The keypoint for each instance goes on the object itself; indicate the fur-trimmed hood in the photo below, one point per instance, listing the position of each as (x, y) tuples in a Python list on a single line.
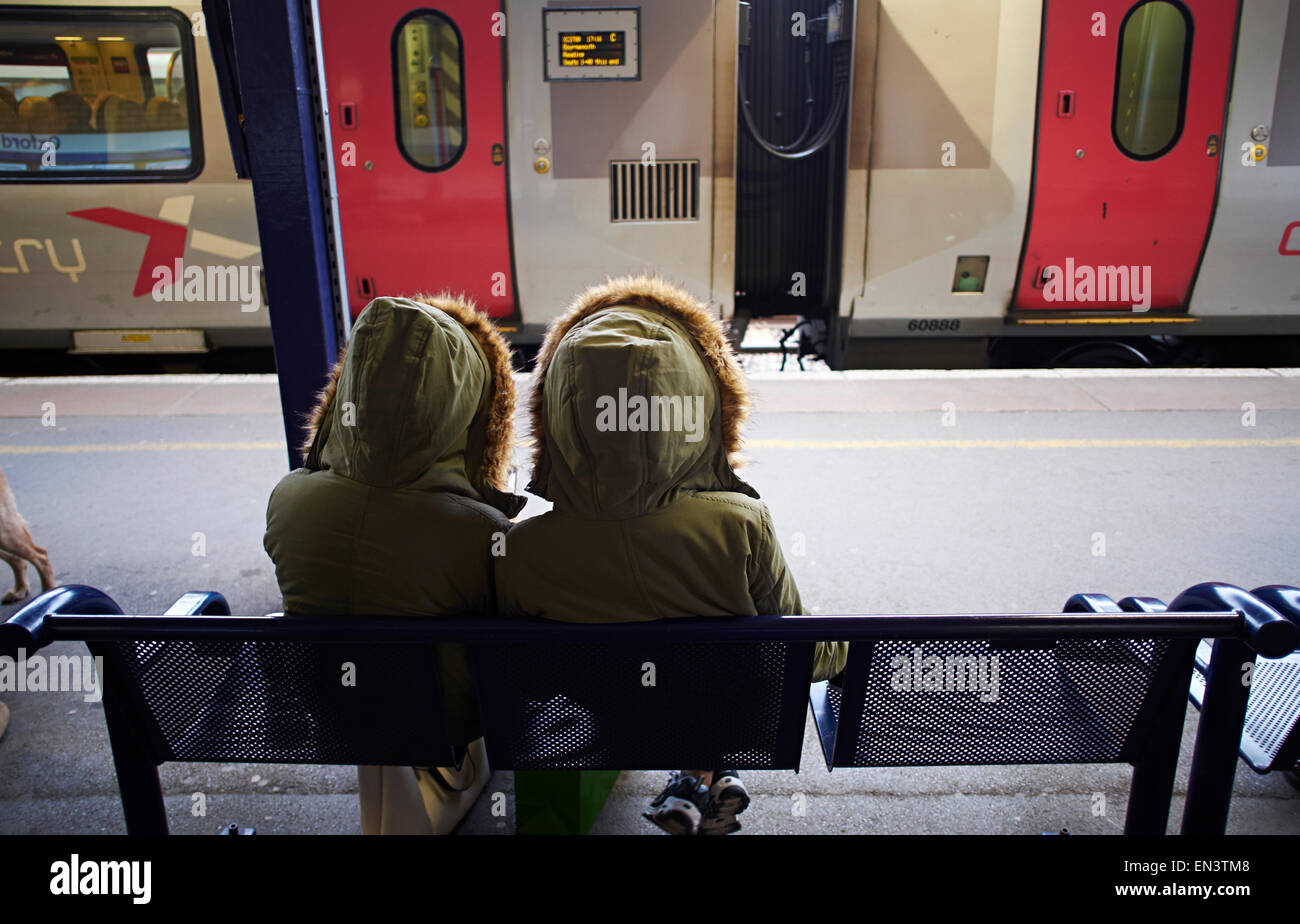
[(637, 396), (423, 397)]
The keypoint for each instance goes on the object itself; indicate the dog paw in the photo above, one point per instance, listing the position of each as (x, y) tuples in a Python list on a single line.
[(13, 597)]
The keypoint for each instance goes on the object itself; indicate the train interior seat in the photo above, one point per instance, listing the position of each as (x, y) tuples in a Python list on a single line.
[(73, 111), (162, 114), (9, 121), (38, 114), (114, 113)]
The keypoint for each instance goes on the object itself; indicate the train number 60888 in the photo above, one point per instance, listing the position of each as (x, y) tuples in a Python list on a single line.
[(934, 324)]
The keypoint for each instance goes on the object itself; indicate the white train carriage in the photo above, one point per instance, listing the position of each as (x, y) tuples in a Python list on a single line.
[(891, 171)]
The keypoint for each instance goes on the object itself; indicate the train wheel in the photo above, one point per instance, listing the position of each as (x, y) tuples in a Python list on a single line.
[(1100, 353), (1054, 352)]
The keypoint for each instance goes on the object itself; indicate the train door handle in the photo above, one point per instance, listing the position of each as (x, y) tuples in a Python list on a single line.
[(1065, 104)]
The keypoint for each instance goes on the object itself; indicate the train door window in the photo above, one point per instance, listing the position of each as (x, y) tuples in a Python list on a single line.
[(429, 89), (1151, 80), (97, 93)]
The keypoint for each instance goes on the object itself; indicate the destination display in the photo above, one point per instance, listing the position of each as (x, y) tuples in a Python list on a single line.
[(592, 44), (592, 49)]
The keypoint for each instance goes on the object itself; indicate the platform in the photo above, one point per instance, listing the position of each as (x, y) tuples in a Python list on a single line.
[(905, 491)]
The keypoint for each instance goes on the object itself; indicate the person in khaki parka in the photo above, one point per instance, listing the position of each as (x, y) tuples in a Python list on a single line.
[(397, 508), (650, 519)]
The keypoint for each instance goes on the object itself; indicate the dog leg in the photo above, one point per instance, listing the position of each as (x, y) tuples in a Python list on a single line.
[(21, 587), (16, 544), (42, 563)]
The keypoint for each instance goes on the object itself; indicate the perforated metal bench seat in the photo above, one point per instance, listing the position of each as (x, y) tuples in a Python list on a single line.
[(198, 684), (1270, 739)]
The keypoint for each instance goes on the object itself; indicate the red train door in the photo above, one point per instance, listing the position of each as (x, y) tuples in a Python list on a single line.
[(1132, 100), (417, 113)]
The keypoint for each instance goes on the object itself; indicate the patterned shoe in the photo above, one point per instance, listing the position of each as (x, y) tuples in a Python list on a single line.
[(727, 799), (678, 809)]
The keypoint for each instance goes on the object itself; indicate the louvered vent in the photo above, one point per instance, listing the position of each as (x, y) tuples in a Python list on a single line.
[(668, 190)]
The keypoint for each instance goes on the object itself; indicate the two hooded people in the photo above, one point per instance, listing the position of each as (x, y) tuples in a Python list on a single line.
[(401, 502)]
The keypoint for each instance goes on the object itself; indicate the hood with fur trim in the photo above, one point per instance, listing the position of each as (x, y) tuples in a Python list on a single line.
[(637, 398), (422, 398)]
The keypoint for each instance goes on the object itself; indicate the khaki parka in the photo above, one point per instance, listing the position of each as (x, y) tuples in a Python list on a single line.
[(401, 498), (636, 409)]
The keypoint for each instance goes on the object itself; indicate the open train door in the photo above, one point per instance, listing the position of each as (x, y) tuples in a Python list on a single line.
[(1131, 108), (417, 118)]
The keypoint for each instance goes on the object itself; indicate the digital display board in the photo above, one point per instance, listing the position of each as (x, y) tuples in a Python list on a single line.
[(592, 44), (593, 49)]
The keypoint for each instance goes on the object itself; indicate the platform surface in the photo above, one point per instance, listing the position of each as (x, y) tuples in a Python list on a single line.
[(903, 492)]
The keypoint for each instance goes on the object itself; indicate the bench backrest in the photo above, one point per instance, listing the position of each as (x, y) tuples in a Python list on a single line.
[(645, 705), (971, 702), (544, 705), (284, 702)]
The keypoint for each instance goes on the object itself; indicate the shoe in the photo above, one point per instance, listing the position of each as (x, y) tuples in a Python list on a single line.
[(679, 808), (727, 799)]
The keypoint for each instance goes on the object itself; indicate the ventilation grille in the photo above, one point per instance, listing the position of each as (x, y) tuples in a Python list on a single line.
[(667, 190)]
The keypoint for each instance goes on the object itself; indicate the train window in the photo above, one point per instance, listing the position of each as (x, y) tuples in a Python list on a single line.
[(1151, 82), (98, 94), (429, 89)]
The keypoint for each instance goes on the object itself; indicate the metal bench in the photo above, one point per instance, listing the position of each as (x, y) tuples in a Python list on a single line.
[(1270, 739), (197, 684), (1106, 683)]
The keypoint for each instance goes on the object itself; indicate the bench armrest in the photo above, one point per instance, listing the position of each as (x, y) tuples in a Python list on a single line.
[(1286, 600), (1266, 630), (199, 603), (25, 629)]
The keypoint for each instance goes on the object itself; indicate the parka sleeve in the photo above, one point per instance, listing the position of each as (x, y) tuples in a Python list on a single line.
[(773, 590)]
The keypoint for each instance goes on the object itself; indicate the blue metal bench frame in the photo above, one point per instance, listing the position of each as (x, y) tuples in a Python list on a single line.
[(366, 732)]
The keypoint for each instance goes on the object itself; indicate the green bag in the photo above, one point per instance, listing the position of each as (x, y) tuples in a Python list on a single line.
[(560, 801)]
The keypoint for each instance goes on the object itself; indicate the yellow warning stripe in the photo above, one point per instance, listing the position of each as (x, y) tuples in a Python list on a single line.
[(1137, 443), (1121, 320), (1028, 444), (143, 447)]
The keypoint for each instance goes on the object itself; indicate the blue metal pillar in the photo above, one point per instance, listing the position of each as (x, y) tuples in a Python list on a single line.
[(265, 66)]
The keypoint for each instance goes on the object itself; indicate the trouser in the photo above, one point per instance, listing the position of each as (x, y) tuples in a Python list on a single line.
[(404, 800)]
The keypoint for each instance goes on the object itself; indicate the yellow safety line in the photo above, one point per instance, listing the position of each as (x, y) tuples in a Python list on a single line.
[(142, 447), (1137, 443), (1123, 320), (1027, 444)]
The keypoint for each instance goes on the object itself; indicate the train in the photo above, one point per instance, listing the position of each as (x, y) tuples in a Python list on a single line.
[(1096, 178)]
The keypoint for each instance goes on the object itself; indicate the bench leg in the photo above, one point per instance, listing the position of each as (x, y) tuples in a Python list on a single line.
[(560, 801), (137, 774), (1152, 787), (1214, 759)]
